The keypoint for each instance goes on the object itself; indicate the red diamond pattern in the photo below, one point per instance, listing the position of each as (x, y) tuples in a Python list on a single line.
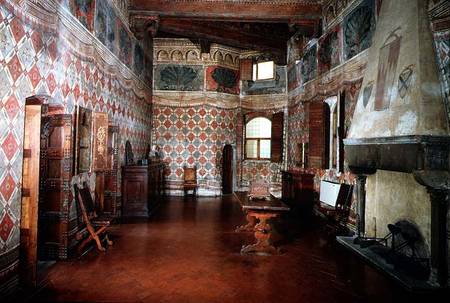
[(88, 72), (37, 41), (17, 29), (5, 227), (67, 59), (167, 111), (35, 76), (10, 146), (53, 51), (7, 187), (78, 67), (12, 107), (191, 112), (179, 124), (179, 111), (51, 83), (167, 124), (15, 68), (76, 91), (65, 89)]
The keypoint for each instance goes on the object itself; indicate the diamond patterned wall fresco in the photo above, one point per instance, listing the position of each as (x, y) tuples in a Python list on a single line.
[(194, 136), (33, 61)]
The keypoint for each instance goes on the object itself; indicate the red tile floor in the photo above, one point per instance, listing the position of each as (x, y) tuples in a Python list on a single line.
[(188, 252)]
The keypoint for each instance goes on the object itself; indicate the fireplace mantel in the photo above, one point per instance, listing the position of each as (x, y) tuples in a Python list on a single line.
[(402, 153)]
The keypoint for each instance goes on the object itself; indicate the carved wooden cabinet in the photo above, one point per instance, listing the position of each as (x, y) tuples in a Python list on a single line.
[(298, 191), (142, 189)]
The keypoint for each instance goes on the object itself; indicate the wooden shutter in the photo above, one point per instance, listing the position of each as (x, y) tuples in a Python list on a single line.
[(277, 137), (246, 69), (319, 114)]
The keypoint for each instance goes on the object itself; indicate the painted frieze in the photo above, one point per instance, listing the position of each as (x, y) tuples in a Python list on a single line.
[(105, 25), (221, 79), (309, 64), (329, 53), (176, 77), (359, 27), (124, 50)]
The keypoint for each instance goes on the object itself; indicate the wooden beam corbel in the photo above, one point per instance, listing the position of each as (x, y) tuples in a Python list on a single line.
[(141, 24)]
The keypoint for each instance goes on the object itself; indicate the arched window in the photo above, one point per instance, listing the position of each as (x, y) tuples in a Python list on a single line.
[(258, 133)]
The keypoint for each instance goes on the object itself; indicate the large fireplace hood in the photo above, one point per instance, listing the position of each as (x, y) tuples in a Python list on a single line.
[(400, 122)]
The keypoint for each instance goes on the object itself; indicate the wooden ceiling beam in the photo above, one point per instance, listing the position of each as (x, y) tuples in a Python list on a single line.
[(262, 11)]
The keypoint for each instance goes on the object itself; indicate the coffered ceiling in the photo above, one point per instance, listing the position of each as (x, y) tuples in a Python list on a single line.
[(263, 25)]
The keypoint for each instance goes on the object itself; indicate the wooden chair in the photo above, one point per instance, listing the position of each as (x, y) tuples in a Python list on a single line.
[(190, 180), (95, 225)]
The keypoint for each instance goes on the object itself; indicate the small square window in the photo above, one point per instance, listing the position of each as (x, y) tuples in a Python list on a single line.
[(263, 70)]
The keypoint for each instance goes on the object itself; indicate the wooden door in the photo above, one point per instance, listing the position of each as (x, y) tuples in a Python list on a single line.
[(30, 195), (56, 172), (227, 169)]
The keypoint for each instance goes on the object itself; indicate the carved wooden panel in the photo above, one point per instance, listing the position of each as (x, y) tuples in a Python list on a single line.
[(100, 142), (83, 141), (56, 170), (111, 193)]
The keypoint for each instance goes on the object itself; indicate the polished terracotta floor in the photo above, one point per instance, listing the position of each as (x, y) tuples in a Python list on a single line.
[(188, 252)]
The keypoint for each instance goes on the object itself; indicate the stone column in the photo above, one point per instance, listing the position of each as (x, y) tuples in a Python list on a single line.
[(361, 203), (439, 236)]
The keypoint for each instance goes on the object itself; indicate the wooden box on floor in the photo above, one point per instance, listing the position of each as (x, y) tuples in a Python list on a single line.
[(142, 189)]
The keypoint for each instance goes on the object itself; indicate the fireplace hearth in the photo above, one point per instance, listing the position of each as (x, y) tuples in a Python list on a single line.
[(404, 248)]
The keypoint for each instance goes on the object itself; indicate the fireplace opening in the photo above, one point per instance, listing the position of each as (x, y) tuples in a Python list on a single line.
[(404, 248)]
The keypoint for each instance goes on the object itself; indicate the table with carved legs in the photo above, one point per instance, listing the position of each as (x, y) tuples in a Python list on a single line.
[(260, 216)]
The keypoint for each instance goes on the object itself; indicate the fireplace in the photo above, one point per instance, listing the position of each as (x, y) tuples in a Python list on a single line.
[(399, 147)]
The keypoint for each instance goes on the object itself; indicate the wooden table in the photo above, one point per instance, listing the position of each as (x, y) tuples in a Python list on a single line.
[(260, 215)]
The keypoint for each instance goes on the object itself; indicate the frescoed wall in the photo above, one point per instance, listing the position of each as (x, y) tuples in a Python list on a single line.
[(347, 20), (317, 58), (196, 109), (34, 59)]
